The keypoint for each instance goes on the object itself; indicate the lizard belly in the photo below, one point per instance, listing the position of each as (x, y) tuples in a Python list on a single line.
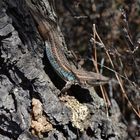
[(65, 75)]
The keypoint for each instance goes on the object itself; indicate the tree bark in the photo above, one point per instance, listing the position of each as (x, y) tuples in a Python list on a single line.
[(30, 107)]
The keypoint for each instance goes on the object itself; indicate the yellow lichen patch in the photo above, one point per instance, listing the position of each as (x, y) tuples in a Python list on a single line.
[(39, 123), (80, 112)]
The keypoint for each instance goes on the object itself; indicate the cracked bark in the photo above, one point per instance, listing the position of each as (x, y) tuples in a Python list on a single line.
[(25, 75)]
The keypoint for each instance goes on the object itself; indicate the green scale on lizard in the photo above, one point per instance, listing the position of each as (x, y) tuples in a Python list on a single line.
[(68, 76)]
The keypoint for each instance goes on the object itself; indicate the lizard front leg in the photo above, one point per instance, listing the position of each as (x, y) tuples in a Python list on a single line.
[(67, 87)]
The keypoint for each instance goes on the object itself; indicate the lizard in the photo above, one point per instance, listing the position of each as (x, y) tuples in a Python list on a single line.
[(57, 57)]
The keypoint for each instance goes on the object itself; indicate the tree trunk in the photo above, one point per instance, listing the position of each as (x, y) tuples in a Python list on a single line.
[(30, 107)]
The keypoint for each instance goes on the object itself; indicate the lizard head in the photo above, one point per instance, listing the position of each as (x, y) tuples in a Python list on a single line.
[(91, 78)]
